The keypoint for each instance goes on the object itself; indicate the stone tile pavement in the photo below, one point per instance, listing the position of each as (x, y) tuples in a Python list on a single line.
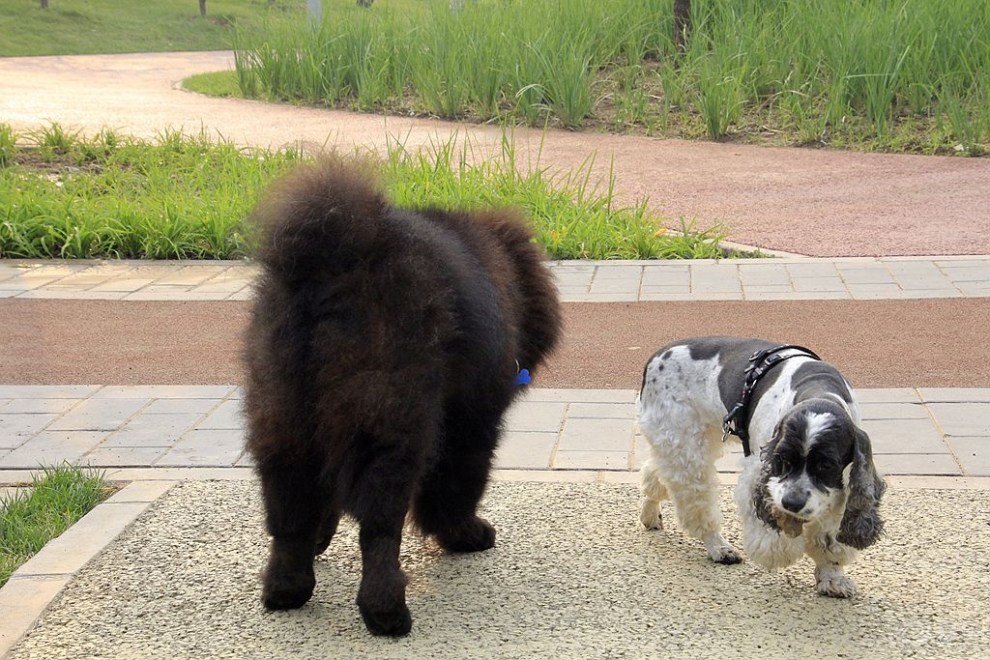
[(924, 431), (860, 278)]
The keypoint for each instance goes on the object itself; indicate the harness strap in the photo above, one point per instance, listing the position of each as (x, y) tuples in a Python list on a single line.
[(737, 421)]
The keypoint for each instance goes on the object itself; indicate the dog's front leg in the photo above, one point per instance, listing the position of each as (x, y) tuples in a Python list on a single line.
[(382, 594), (830, 556)]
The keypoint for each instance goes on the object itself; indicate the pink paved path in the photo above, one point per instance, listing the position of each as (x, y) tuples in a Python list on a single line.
[(813, 202)]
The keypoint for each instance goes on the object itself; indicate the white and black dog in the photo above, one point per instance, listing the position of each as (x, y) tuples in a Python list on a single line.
[(807, 486)]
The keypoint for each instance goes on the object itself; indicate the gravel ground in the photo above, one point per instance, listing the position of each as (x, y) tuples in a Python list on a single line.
[(572, 575)]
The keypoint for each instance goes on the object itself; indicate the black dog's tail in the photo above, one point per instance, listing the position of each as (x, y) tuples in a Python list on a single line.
[(319, 215)]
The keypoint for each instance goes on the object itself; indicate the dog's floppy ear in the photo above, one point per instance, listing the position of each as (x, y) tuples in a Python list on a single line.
[(761, 491), (861, 523)]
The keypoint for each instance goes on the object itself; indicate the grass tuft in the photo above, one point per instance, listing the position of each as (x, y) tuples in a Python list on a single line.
[(58, 498)]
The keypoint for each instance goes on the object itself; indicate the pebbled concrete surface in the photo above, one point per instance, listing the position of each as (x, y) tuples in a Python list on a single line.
[(572, 575)]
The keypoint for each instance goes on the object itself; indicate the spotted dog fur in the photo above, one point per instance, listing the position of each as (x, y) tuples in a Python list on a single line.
[(809, 487)]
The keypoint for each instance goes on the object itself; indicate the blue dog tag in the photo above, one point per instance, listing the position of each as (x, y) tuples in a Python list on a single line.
[(523, 378)]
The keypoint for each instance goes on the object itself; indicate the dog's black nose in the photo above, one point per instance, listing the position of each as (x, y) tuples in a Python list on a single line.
[(794, 502)]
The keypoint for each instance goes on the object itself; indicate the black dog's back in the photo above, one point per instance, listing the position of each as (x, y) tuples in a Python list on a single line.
[(382, 354)]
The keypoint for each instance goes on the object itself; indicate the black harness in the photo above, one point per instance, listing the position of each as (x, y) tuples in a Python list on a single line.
[(737, 421)]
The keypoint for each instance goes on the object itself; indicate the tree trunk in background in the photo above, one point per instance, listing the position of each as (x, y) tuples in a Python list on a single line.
[(202, 7), (44, 4), (682, 24)]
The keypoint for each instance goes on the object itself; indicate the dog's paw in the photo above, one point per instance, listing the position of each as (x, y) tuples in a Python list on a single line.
[(473, 536), (726, 555), (383, 606), (287, 591), (721, 551), (650, 516), (393, 621), (834, 583)]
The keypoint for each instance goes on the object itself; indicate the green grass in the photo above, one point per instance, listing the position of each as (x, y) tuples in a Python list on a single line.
[(73, 27), (217, 83), (59, 497), (186, 197), (900, 75)]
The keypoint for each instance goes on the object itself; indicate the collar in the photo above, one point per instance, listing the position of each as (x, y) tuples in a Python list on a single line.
[(737, 421)]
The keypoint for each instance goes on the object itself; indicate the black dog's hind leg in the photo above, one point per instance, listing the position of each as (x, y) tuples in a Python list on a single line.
[(298, 510), (379, 500), (327, 529), (447, 504)]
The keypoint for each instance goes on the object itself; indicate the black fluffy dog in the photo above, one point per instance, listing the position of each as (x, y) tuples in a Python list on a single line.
[(383, 351)]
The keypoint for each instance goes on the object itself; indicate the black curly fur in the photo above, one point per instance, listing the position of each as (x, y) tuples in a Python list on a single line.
[(861, 524), (381, 356), (762, 501)]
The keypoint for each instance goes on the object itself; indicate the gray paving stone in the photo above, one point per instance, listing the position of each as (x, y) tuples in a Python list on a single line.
[(954, 395), (816, 284), (597, 435), (602, 410), (163, 392), (47, 391), (921, 464), (591, 460), (227, 415), (50, 448), (106, 456), (964, 419), (174, 406), (245, 461), (38, 406), (525, 451), (812, 269), (860, 275), (579, 395), (665, 289), (535, 416), (973, 454), (217, 448), (98, 415), (880, 410), (16, 428), (888, 395), (153, 430), (625, 273), (764, 275), (898, 436), (615, 286)]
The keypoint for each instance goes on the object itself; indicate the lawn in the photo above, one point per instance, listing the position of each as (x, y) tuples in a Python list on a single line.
[(75, 27)]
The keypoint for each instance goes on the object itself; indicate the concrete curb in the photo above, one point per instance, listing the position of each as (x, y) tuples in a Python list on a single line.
[(36, 584)]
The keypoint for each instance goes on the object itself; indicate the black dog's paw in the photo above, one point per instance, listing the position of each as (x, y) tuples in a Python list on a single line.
[(285, 591), (475, 535), (394, 621)]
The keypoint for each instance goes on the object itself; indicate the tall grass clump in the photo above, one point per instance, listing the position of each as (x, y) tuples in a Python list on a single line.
[(56, 499), (489, 59), (882, 74)]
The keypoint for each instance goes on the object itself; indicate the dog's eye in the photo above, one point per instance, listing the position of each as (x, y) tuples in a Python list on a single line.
[(780, 466), (826, 466)]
